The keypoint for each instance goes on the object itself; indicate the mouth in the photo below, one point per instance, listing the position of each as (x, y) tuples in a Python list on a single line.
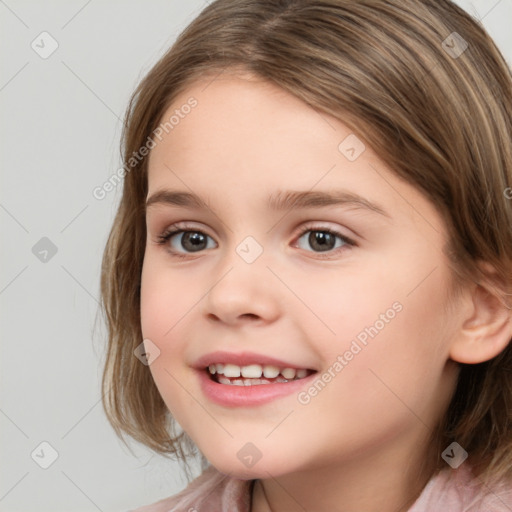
[(249, 379), (254, 374)]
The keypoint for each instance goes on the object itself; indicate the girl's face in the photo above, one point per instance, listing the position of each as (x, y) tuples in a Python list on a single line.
[(281, 258)]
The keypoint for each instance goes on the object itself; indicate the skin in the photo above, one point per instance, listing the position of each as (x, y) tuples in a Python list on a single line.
[(369, 428)]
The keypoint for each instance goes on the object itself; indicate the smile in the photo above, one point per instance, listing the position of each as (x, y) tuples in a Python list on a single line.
[(254, 374)]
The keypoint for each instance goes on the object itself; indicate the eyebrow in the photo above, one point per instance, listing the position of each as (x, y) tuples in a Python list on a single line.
[(281, 200)]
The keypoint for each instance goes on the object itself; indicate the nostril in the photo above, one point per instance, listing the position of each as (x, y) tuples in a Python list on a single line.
[(250, 315)]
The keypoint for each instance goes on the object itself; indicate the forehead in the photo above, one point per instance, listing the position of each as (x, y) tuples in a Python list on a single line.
[(242, 123), (247, 138), (250, 112)]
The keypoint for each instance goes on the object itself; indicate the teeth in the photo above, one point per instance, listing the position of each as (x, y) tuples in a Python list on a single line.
[(231, 370), (270, 371), (253, 373), (245, 382), (288, 373)]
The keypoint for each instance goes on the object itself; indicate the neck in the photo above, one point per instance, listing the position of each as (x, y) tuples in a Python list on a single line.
[(387, 482)]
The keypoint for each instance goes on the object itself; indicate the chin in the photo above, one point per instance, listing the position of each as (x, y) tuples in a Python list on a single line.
[(262, 469)]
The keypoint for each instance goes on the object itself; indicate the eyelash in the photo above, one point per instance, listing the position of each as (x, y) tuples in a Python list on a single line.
[(164, 238)]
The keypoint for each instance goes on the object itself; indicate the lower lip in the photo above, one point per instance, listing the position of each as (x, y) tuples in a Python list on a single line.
[(239, 396)]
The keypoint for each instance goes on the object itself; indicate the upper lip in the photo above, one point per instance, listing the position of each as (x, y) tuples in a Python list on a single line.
[(243, 359)]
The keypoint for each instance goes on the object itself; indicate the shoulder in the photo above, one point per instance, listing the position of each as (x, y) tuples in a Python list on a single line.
[(212, 491), (460, 491)]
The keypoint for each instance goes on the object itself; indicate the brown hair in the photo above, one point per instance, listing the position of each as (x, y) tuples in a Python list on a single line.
[(398, 76)]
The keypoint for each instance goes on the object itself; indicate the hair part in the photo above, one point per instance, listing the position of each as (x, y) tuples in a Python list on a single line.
[(442, 124)]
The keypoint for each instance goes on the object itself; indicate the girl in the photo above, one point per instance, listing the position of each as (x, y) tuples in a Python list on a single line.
[(308, 280)]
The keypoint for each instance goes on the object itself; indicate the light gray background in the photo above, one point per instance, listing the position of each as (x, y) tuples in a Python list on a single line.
[(60, 122)]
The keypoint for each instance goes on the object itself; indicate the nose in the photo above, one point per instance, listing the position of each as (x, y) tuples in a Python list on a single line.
[(243, 293)]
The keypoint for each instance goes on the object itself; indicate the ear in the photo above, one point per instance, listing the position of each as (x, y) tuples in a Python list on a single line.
[(486, 328)]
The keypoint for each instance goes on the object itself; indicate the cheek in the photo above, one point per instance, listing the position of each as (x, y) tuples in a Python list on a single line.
[(166, 298), (164, 306), (399, 372), (390, 342)]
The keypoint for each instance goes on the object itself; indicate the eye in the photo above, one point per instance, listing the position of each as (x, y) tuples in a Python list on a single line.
[(182, 241), (322, 240)]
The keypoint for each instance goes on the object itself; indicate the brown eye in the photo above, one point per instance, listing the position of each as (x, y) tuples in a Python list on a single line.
[(323, 240), (182, 241), (193, 241)]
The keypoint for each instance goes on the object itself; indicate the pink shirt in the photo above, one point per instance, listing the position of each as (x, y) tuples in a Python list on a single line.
[(448, 491)]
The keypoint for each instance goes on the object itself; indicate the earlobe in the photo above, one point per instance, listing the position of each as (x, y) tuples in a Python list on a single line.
[(487, 329)]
